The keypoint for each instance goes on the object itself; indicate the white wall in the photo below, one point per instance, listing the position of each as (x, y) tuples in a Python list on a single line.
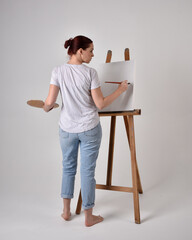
[(159, 36)]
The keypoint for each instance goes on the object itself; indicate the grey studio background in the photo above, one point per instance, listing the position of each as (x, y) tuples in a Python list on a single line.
[(159, 36)]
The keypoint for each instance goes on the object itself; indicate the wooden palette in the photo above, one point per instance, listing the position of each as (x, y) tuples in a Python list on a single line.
[(39, 104)]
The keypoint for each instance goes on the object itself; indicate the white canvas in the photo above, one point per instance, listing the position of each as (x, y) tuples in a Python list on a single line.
[(117, 72)]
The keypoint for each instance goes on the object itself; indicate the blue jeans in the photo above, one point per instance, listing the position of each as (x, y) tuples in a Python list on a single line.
[(89, 142)]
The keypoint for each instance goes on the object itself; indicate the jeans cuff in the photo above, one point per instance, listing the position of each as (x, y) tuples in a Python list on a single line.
[(88, 206), (66, 196)]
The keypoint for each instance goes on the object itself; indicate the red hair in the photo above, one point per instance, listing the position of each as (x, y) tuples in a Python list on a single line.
[(76, 43)]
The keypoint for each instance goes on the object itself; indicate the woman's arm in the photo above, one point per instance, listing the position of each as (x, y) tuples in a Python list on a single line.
[(102, 102), (52, 97)]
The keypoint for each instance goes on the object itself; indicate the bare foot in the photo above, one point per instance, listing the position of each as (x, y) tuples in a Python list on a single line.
[(92, 220), (66, 215)]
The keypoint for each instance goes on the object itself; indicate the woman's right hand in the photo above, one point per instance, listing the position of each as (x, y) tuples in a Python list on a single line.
[(123, 86)]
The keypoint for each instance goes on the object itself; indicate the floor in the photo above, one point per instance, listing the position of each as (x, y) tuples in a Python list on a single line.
[(164, 215)]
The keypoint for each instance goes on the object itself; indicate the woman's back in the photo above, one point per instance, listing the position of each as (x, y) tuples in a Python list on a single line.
[(78, 112)]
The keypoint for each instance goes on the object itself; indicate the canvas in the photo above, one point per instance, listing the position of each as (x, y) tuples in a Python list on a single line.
[(117, 72)]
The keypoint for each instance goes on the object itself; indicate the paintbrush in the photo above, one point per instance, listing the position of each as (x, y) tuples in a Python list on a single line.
[(116, 82)]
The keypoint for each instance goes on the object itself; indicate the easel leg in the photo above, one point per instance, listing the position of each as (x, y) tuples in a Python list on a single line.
[(126, 121), (78, 209), (111, 150), (134, 170)]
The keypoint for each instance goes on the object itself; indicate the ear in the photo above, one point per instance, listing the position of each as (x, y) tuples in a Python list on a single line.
[(80, 50)]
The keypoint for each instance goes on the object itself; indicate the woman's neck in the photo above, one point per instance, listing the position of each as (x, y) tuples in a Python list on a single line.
[(74, 60)]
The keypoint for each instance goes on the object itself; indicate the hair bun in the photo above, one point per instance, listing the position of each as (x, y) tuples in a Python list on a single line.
[(68, 43)]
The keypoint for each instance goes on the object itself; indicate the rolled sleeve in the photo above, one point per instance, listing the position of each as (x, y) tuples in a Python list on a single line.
[(54, 77), (95, 82)]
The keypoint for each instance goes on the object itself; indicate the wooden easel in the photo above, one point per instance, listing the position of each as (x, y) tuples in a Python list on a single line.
[(129, 126)]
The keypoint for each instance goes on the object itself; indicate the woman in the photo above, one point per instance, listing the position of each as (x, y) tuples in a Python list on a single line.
[(79, 123)]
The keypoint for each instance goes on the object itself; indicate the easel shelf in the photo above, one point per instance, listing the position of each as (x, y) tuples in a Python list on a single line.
[(121, 113)]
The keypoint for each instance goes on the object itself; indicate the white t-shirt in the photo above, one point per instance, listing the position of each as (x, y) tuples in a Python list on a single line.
[(78, 112)]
